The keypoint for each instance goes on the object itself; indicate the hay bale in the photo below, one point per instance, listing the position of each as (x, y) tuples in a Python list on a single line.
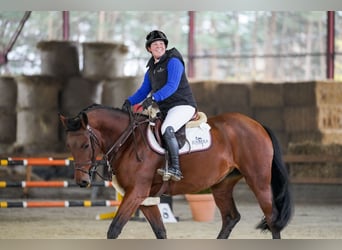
[(312, 118), (301, 119), (8, 90), (79, 93), (37, 131), (320, 170), (329, 117), (267, 95), (37, 109), (59, 58), (328, 93), (116, 91), (8, 100), (313, 93), (271, 117), (38, 92), (8, 126), (204, 94), (103, 60), (232, 94), (233, 97)]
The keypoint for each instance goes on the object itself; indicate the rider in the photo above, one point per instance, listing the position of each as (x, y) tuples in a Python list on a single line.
[(166, 80)]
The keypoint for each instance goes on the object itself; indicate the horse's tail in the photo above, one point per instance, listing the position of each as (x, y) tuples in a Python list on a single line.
[(282, 199)]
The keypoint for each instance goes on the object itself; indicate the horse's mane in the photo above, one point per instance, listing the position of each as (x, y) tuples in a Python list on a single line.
[(98, 106), (75, 123)]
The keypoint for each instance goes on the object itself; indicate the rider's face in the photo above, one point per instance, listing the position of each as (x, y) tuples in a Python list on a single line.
[(157, 49)]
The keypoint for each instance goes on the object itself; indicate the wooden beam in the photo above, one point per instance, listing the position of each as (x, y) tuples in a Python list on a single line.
[(311, 158)]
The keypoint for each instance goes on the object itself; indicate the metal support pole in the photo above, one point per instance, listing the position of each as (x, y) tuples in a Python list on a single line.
[(66, 25), (330, 44), (191, 44)]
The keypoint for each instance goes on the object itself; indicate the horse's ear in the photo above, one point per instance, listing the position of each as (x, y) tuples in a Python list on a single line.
[(63, 119), (84, 119)]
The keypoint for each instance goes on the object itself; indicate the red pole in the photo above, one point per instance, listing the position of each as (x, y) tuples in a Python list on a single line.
[(191, 44), (66, 25), (3, 55), (330, 44)]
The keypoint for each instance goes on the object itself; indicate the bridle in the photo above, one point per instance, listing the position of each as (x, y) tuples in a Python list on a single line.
[(110, 154), (94, 141)]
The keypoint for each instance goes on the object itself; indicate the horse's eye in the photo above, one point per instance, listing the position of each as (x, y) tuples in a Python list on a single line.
[(86, 146)]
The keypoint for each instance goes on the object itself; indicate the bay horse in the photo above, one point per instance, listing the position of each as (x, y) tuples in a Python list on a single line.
[(241, 148)]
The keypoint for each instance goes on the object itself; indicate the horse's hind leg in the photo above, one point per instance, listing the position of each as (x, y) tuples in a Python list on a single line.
[(152, 214), (223, 194), (262, 189)]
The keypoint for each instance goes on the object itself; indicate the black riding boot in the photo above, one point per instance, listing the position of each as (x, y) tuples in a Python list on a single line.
[(172, 148)]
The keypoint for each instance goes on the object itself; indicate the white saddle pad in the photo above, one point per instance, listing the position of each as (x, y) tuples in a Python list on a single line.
[(197, 139)]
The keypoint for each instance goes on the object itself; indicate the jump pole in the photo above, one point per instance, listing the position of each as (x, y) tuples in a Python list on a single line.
[(49, 184), (110, 215), (71, 203), (35, 161)]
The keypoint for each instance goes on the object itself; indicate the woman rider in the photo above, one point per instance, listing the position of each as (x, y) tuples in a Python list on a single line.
[(166, 84)]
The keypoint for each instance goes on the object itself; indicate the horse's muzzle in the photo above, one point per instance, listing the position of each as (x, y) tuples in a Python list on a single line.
[(84, 184)]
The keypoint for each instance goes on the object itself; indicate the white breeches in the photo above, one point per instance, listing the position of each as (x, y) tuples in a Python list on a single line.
[(177, 116)]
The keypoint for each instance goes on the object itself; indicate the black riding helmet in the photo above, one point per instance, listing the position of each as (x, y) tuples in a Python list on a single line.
[(155, 35)]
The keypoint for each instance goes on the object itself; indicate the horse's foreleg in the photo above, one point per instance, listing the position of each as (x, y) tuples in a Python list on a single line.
[(116, 226), (152, 214), (128, 206)]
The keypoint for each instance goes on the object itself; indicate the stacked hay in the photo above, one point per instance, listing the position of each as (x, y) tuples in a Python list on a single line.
[(37, 114), (267, 102), (312, 116), (78, 93), (115, 91), (214, 97), (204, 92), (103, 60), (313, 112), (323, 171), (8, 101), (59, 58), (233, 97)]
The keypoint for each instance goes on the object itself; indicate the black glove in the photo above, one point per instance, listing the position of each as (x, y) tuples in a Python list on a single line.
[(147, 103), (126, 106)]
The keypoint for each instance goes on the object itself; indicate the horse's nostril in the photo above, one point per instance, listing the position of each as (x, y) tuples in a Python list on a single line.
[(84, 184)]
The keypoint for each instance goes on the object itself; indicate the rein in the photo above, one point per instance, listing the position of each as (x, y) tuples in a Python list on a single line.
[(134, 123)]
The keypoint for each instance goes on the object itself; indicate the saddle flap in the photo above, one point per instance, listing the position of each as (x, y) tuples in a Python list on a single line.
[(196, 137)]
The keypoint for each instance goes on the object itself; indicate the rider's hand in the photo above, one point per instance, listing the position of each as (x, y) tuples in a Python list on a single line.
[(126, 106), (147, 103)]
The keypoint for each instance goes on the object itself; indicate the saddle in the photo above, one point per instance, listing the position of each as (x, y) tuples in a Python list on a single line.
[(196, 120)]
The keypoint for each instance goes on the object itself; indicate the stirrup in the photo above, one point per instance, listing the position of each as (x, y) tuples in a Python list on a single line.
[(166, 175), (176, 174)]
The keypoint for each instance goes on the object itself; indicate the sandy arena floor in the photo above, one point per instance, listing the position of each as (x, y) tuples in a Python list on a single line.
[(311, 221)]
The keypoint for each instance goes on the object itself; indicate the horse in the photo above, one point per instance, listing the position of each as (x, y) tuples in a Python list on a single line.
[(241, 148)]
